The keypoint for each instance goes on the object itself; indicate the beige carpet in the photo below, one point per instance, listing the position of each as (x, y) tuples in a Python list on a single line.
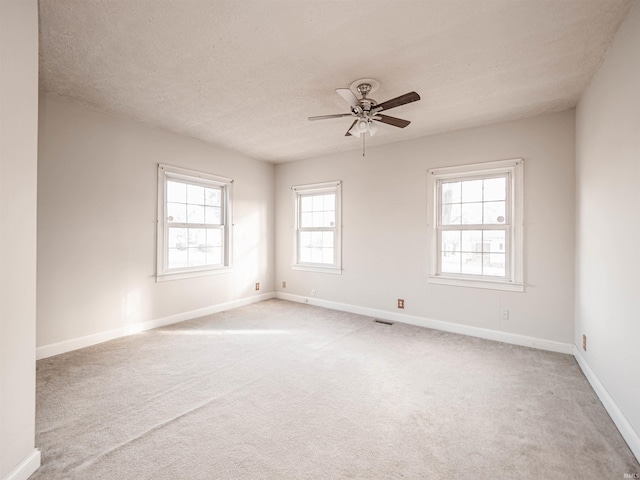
[(288, 391)]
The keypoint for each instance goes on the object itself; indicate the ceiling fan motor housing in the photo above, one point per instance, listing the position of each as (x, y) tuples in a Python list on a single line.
[(366, 103)]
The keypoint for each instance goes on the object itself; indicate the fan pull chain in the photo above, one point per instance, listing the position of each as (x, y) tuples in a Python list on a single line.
[(364, 135)]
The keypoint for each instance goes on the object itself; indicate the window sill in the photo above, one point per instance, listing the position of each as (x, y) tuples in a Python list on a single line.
[(472, 283), (165, 277), (318, 269)]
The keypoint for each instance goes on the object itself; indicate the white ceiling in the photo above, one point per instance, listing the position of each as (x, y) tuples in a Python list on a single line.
[(246, 74)]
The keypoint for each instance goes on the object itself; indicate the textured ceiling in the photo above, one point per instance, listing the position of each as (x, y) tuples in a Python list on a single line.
[(246, 74)]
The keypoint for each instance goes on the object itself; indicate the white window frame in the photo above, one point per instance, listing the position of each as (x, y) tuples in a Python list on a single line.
[(318, 188), (514, 170), (167, 172)]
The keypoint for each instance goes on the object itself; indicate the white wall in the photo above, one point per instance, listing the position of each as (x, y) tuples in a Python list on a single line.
[(385, 238), (97, 202), (18, 163), (608, 223)]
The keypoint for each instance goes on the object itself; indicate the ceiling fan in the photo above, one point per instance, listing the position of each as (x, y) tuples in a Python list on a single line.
[(367, 111)]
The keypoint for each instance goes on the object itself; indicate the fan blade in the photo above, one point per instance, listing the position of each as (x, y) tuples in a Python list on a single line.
[(396, 102), (323, 117), (348, 96), (348, 134), (396, 122)]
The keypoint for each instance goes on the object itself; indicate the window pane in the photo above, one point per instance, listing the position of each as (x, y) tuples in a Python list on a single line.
[(305, 254), (214, 256), (195, 213), (472, 241), (329, 219), (195, 194), (317, 247), (305, 239), (197, 257), (318, 219), (494, 212), (176, 192), (197, 237), (306, 203), (450, 242), (318, 203), (329, 202), (213, 197), (177, 257), (450, 262), (451, 214), (472, 263), (494, 241), (213, 215), (214, 237), (178, 238), (472, 191), (495, 189), (471, 213), (494, 264), (451, 192), (306, 220), (176, 212), (327, 239), (316, 239)]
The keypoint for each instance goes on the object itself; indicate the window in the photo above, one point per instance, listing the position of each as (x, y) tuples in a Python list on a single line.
[(475, 225), (317, 227), (194, 223)]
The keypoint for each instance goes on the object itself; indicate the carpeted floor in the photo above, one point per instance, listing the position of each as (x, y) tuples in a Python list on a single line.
[(281, 390)]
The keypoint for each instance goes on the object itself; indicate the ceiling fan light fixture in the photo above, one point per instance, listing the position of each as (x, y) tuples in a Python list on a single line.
[(363, 126), (360, 127)]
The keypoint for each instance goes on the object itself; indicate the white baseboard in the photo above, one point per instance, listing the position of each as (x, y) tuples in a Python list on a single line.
[(626, 430), (26, 467), (88, 340), (485, 333)]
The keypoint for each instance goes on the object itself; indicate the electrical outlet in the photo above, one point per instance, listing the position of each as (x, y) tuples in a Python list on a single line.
[(313, 292), (284, 284), (257, 285), (401, 303), (504, 314), (584, 342)]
